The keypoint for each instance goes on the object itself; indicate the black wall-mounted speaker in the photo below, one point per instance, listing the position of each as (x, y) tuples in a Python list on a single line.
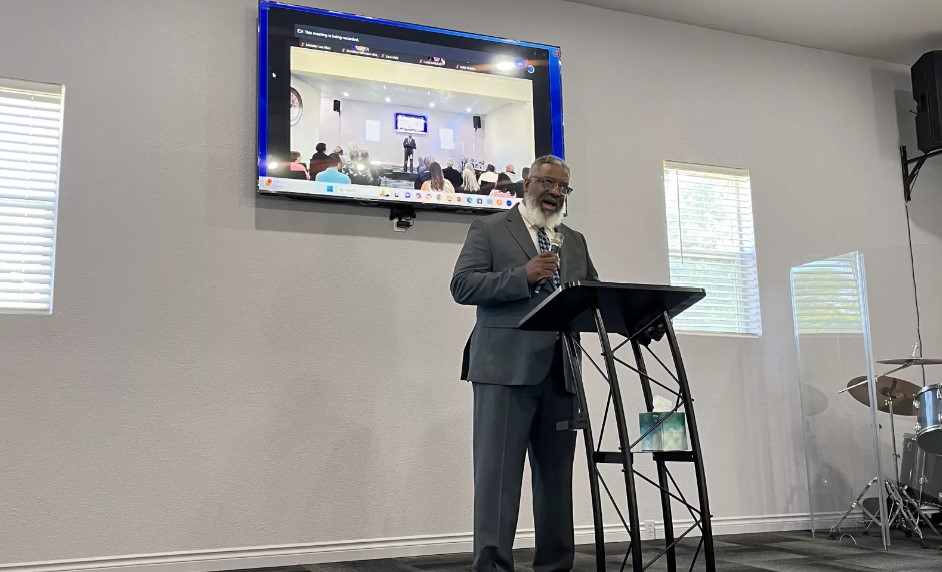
[(337, 105), (927, 91), (477, 122)]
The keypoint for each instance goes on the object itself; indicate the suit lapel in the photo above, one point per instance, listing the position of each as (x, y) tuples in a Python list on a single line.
[(518, 229)]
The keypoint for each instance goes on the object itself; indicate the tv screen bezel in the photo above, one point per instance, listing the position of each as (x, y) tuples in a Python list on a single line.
[(551, 142)]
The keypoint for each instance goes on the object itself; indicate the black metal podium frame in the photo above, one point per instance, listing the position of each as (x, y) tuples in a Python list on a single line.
[(641, 313)]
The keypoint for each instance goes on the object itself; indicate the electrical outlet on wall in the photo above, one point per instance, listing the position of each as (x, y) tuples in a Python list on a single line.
[(650, 533)]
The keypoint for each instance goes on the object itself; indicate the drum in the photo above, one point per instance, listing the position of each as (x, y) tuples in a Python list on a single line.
[(921, 473), (928, 404)]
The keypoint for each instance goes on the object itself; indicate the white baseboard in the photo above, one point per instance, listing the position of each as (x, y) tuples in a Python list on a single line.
[(319, 552)]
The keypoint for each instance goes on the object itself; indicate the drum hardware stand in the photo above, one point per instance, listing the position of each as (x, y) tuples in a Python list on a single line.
[(917, 514), (900, 511), (889, 403)]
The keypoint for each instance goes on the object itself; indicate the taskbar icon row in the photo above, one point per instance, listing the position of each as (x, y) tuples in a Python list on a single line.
[(369, 192), (443, 197)]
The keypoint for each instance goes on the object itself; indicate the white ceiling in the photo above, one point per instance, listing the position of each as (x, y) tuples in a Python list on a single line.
[(334, 87), (891, 30)]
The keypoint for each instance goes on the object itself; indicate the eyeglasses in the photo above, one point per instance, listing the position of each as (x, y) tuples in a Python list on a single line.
[(551, 183)]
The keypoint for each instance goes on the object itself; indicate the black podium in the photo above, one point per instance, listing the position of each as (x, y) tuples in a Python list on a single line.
[(641, 313)]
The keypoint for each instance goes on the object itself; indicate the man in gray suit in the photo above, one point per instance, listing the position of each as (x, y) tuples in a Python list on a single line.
[(523, 382)]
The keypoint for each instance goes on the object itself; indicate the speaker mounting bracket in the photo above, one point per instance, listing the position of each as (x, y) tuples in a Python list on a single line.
[(909, 175)]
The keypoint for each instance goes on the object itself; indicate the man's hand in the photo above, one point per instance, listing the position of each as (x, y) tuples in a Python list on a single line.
[(541, 266)]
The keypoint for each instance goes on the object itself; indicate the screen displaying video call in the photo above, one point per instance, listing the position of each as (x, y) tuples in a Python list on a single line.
[(358, 109)]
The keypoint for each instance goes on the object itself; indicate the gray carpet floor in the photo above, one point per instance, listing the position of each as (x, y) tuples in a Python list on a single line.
[(780, 552)]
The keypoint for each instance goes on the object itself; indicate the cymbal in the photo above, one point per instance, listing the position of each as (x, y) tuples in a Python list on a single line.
[(911, 361), (899, 391)]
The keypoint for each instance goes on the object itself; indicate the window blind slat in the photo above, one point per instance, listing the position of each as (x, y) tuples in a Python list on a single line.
[(25, 306), (30, 100), (26, 230), (725, 266), (25, 267), (30, 146), (10, 188), (20, 109), (29, 222), (6, 137), (25, 249), (26, 175), (30, 131), (37, 161), (24, 211), (720, 321), (26, 240), (33, 205), (13, 287), (17, 278), (711, 244), (28, 194), (25, 121)]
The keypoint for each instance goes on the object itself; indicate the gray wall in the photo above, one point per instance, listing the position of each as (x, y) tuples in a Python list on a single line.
[(226, 371)]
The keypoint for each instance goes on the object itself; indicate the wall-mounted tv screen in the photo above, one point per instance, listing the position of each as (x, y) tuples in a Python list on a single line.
[(355, 108), (410, 123)]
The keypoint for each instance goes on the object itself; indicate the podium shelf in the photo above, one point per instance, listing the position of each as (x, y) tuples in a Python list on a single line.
[(617, 457)]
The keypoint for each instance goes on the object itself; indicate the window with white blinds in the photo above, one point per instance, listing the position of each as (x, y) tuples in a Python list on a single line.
[(826, 297), (712, 245), (30, 144)]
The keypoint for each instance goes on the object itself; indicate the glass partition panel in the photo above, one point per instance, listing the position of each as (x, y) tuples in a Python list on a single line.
[(842, 444)]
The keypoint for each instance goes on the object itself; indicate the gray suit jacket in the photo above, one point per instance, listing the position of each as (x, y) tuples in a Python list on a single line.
[(490, 274)]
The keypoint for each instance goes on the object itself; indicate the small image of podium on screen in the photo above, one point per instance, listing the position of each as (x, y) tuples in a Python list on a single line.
[(364, 105)]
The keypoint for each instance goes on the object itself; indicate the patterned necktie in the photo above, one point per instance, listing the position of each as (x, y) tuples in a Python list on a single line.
[(545, 246)]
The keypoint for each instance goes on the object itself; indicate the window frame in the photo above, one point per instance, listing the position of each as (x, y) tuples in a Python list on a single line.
[(56, 92), (743, 280)]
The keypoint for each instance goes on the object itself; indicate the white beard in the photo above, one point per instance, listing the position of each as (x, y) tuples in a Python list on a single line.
[(539, 217)]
